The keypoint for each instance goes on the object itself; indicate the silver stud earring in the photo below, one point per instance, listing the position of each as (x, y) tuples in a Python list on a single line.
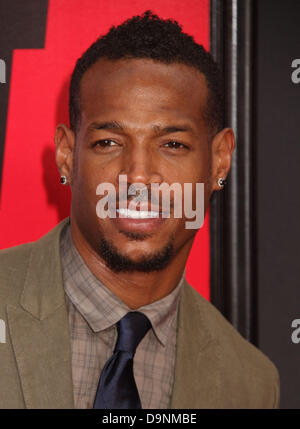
[(63, 180), (221, 182)]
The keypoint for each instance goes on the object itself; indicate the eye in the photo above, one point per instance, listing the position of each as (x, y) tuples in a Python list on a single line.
[(106, 143), (175, 145)]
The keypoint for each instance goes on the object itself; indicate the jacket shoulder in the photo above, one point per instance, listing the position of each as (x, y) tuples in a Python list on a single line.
[(13, 268), (16, 253), (14, 261)]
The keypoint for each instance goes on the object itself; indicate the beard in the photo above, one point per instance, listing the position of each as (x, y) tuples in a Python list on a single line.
[(147, 263)]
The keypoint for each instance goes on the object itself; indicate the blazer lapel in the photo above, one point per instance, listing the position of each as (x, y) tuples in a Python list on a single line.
[(197, 378), (39, 329)]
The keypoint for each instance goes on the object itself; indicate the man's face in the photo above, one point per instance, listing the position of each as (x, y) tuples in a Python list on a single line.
[(140, 97)]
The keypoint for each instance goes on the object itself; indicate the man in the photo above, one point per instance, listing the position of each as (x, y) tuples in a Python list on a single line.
[(98, 313)]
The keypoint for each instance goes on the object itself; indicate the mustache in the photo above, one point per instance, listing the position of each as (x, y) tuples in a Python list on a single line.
[(155, 202), (139, 194)]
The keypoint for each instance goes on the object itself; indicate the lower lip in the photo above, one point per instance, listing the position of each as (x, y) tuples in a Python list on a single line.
[(138, 225)]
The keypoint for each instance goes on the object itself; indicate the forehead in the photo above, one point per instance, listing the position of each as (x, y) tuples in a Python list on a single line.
[(143, 88)]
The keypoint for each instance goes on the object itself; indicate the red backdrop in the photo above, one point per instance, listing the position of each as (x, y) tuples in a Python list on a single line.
[(32, 199)]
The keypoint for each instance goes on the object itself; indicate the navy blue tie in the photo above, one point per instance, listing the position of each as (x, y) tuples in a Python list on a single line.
[(117, 388)]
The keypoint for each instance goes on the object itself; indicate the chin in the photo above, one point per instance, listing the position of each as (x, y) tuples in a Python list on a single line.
[(133, 259)]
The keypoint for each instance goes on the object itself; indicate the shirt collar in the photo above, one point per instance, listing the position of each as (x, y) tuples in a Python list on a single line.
[(100, 307)]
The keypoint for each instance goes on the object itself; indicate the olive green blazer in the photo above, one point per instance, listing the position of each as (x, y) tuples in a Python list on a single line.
[(215, 367)]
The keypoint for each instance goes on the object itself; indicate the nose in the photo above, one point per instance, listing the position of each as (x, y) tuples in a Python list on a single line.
[(141, 165)]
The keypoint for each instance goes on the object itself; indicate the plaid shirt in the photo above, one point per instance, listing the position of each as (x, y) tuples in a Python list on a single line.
[(93, 313)]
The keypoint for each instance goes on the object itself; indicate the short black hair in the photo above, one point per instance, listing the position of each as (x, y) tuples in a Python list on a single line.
[(148, 36)]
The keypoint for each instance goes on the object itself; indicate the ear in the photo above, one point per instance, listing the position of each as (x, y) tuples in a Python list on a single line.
[(222, 147), (65, 144)]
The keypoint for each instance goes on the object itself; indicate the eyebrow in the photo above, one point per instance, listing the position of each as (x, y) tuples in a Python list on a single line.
[(111, 125), (158, 129)]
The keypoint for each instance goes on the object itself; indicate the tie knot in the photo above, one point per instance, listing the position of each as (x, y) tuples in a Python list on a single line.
[(131, 330)]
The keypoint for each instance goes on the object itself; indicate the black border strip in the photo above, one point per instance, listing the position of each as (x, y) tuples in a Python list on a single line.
[(23, 26), (232, 226)]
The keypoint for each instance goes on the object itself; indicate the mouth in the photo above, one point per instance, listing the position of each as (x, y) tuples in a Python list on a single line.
[(142, 210), (138, 214), (141, 220)]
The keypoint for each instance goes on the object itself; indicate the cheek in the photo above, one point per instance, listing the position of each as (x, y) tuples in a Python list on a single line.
[(196, 187), (91, 172), (195, 171)]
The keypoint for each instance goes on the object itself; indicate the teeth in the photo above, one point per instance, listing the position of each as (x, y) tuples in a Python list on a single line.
[(134, 214)]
